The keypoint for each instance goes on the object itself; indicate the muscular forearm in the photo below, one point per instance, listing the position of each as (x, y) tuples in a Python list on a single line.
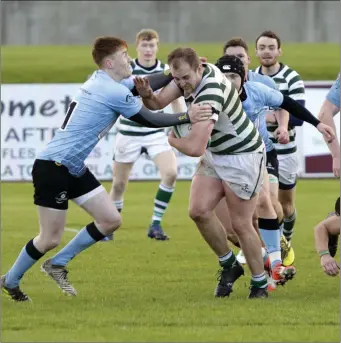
[(321, 237), (152, 103), (151, 119), (183, 145), (282, 117)]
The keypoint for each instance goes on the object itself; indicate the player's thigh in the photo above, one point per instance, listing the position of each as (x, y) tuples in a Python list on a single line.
[(264, 203), (288, 171), (241, 210), (206, 189), (127, 148), (162, 154), (166, 163), (287, 197), (243, 178), (51, 223), (333, 225), (121, 172), (274, 190), (243, 174), (51, 194), (87, 192)]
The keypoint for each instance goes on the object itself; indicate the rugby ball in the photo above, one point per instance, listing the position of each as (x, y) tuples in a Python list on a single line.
[(183, 130)]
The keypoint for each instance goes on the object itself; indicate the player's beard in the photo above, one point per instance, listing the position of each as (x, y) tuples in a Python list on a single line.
[(269, 64)]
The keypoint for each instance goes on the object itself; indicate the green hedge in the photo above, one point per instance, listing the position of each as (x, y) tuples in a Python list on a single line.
[(59, 64)]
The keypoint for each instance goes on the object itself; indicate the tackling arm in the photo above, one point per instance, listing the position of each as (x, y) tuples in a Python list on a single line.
[(156, 82), (148, 118), (159, 101)]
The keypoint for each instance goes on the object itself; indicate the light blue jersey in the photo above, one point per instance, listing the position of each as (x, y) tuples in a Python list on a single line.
[(333, 95), (266, 80), (258, 97), (92, 113)]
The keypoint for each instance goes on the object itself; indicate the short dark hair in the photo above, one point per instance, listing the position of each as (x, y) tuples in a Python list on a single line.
[(187, 55), (269, 34), (236, 41), (105, 46)]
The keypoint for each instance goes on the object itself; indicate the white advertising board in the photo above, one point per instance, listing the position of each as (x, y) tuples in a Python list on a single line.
[(30, 114)]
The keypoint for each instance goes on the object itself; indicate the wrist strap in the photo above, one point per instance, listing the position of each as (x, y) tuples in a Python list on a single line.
[(324, 252)]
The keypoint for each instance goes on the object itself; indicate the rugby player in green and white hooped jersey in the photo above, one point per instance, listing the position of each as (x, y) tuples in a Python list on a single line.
[(134, 139), (232, 166), (268, 49)]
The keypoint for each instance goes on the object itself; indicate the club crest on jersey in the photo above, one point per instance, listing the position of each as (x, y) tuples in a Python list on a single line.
[(130, 98)]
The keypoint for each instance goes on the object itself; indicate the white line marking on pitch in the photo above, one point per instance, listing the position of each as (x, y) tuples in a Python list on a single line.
[(71, 230)]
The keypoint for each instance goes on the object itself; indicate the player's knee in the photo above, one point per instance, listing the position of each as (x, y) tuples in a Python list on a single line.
[(197, 213), (243, 224), (264, 205), (288, 208), (169, 177), (46, 243), (119, 187), (109, 223), (319, 227)]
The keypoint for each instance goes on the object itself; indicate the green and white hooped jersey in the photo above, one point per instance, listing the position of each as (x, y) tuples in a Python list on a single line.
[(289, 83), (128, 127), (233, 132)]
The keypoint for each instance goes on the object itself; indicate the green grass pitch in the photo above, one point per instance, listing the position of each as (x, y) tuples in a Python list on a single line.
[(138, 290), (63, 64)]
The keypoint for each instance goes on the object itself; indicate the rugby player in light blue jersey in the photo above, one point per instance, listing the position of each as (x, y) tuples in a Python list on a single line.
[(327, 232), (255, 96), (59, 172)]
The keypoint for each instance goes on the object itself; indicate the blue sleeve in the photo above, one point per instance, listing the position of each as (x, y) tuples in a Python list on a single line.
[(293, 121), (333, 95), (128, 82), (124, 102), (272, 97), (268, 81)]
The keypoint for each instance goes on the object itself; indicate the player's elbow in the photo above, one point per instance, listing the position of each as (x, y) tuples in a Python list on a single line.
[(196, 152), (320, 231), (152, 105), (325, 116), (327, 112)]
